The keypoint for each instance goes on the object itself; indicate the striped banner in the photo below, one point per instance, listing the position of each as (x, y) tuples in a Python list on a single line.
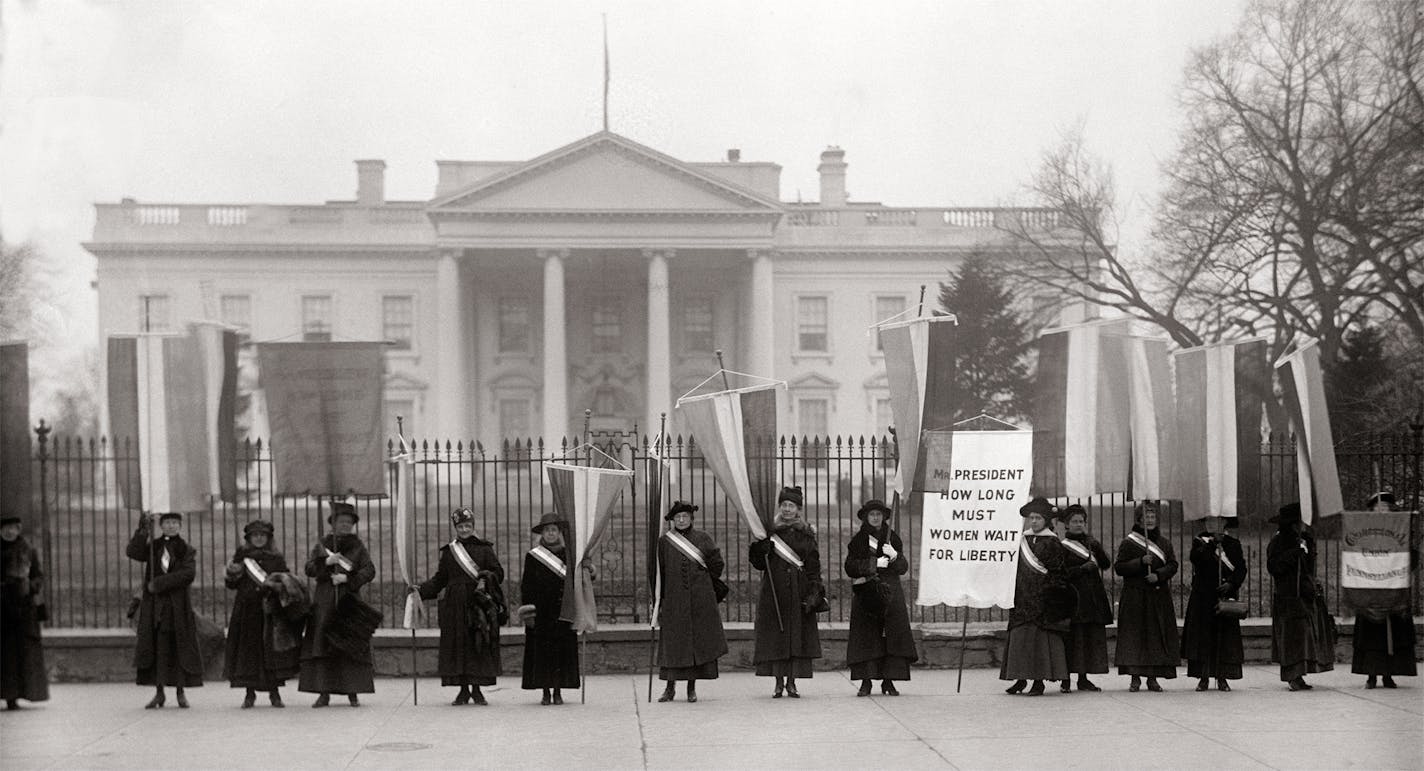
[(1221, 392), (919, 365), (583, 497), (175, 395), (405, 534), (1081, 443), (1303, 391), (735, 432), (1150, 414), (15, 488), (1374, 560)]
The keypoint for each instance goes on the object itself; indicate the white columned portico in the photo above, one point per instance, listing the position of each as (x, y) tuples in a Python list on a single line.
[(659, 337), (761, 336), (556, 359), (450, 364)]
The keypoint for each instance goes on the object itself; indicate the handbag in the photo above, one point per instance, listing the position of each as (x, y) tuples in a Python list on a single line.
[(720, 589), (1229, 607), (815, 600)]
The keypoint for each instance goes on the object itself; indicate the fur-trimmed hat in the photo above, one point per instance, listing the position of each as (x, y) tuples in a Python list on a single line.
[(1038, 505), (462, 515), (1140, 508), (342, 507), (1382, 495), (258, 526), (874, 504), (1289, 513), (549, 518), (1066, 513), (792, 494), (679, 507), (170, 515)]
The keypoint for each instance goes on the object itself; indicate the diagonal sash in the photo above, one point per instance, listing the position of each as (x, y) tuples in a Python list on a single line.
[(466, 562), (784, 551), (255, 570), (1029, 557), (687, 547), (1152, 548), (1078, 549), (1221, 555), (550, 560), (340, 560)]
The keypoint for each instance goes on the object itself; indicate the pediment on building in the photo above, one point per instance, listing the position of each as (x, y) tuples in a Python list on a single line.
[(813, 381), (604, 174), (399, 381), (876, 381)]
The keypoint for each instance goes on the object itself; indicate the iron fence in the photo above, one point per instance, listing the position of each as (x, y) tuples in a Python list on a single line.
[(84, 525)]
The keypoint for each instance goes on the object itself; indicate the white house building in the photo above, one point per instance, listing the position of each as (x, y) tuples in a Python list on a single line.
[(601, 275)]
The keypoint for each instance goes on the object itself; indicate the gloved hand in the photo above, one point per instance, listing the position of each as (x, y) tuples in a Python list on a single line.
[(882, 562), (1224, 590), (889, 551), (234, 569), (338, 579), (333, 559)]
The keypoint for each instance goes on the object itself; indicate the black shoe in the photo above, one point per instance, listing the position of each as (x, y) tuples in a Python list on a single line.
[(776, 694), (558, 696), (276, 700), (1370, 683), (12, 704), (1135, 684), (791, 690), (1203, 684), (1084, 684), (1036, 690), (1389, 682), (182, 699), (669, 693), (1222, 685), (1303, 684), (477, 697), (1017, 687), (250, 699), (322, 701), (1153, 685), (1298, 684), (355, 702), (462, 698), (692, 693), (888, 688), (1066, 686), (864, 688), (156, 702), (544, 700)]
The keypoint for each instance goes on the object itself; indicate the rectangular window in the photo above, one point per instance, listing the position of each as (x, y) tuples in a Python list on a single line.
[(814, 420), (398, 320), (316, 318), (812, 324), (236, 312), (697, 331), (514, 325), (514, 419), (153, 313), (885, 307), (607, 325)]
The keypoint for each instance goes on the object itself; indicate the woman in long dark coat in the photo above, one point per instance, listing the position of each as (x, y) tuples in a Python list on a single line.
[(551, 657), (1211, 644), (692, 638), (1041, 612), (1147, 642), (1384, 639), (253, 661), (22, 667), (1302, 629), (787, 640), (880, 646), (471, 610), (1084, 562), (166, 650), (335, 657)]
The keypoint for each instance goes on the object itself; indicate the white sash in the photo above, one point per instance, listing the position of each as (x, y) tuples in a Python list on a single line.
[(687, 547), (467, 563), (340, 560), (1221, 555), (166, 559), (875, 547), (1031, 558), (253, 569), (550, 560), (784, 551), (1078, 549), (1152, 548)]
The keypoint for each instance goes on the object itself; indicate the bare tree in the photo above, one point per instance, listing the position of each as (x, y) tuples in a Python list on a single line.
[(17, 289)]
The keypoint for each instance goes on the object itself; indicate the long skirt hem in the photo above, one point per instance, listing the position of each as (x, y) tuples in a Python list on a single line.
[(330, 674), (1087, 648), (884, 668), (793, 667), (707, 671), (1034, 653), (1218, 669), (1163, 671)]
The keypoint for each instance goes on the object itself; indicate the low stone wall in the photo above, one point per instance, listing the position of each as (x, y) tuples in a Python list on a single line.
[(106, 655)]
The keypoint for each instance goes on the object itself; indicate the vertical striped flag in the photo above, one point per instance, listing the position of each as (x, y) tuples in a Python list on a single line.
[(1303, 391), (919, 365), (1221, 391), (404, 502), (735, 431), (657, 468), (583, 497), (175, 395), (15, 429), (1150, 413)]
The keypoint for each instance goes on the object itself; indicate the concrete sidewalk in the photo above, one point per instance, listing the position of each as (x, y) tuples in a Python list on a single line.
[(737, 725)]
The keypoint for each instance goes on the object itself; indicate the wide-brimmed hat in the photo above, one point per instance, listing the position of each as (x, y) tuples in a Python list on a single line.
[(340, 508), (1289, 513), (258, 526), (874, 504), (461, 515), (549, 518), (10, 519), (792, 494), (1382, 495), (679, 507), (1038, 505), (1066, 513)]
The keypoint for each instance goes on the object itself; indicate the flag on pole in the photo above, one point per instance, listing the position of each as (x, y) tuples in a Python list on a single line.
[(15, 429), (1221, 391), (584, 497), (735, 431), (404, 497), (1081, 443), (1304, 394), (1150, 413), (919, 365), (657, 468), (175, 396)]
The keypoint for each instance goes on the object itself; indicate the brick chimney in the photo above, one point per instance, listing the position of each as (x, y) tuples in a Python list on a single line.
[(833, 176), (370, 183)]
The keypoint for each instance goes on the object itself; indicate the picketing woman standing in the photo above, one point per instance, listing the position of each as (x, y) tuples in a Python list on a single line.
[(1302, 629), (166, 650), (1084, 561), (880, 646), (1384, 639), (468, 580), (792, 593), (551, 656), (1211, 641), (22, 667), (1041, 611), (253, 660), (690, 568), (1147, 642), (336, 651)]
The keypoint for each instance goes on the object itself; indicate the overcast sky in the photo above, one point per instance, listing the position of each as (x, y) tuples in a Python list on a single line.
[(198, 101)]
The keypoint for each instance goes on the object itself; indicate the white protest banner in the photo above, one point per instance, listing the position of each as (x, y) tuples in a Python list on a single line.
[(969, 536), (1374, 559)]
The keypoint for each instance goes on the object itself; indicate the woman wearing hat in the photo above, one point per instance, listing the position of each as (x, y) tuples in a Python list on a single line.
[(1383, 639), (1040, 615), (1302, 629), (551, 660), (690, 568), (1084, 562), (787, 640), (1211, 644), (1147, 643), (166, 650), (880, 646), (252, 661), (22, 667), (468, 582), (336, 650)]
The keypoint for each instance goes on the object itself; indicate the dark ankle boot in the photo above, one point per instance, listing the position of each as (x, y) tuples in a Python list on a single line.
[(691, 691), (558, 696), (321, 701), (354, 699), (1135, 684), (1389, 682), (887, 687), (1203, 684), (276, 699), (1084, 684), (864, 688), (1370, 682), (1017, 687), (791, 688), (249, 699), (1222, 685), (544, 700), (477, 697), (181, 698), (1066, 686), (462, 698), (669, 692), (157, 701), (780, 686), (1037, 689)]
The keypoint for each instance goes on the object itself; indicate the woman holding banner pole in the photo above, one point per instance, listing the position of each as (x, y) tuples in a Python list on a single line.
[(690, 567), (467, 580), (1211, 642), (1087, 638), (253, 661), (551, 655), (336, 649), (1147, 642), (881, 646), (166, 651), (1302, 629), (792, 593), (1043, 604), (1384, 639)]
